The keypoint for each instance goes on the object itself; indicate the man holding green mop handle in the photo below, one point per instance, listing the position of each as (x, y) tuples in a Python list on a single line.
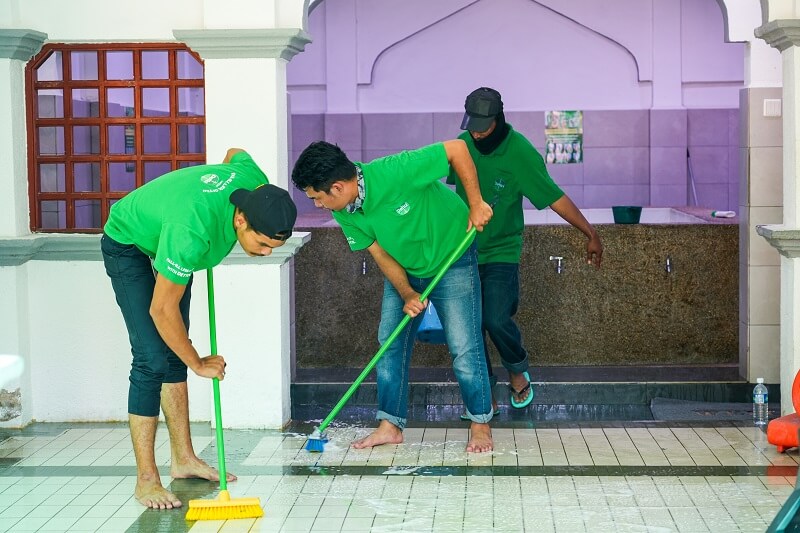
[(397, 208), (155, 238)]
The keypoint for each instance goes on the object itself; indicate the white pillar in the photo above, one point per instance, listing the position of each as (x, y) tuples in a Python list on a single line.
[(16, 48), (785, 36), (246, 107)]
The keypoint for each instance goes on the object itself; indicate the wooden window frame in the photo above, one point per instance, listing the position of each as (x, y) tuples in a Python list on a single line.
[(66, 84)]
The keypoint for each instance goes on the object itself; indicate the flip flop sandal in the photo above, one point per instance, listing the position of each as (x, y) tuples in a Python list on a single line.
[(527, 401), (466, 418)]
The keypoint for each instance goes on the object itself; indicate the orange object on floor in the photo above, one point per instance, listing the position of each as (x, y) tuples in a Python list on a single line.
[(782, 432)]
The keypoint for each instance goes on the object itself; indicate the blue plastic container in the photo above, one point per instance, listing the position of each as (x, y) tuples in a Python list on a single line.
[(431, 330)]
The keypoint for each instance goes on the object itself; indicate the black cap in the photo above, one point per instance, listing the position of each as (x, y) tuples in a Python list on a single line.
[(269, 210), (482, 106)]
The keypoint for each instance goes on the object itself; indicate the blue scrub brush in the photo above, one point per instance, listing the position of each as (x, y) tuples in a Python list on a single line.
[(317, 439)]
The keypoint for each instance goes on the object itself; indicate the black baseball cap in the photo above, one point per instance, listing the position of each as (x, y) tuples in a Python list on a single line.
[(269, 210), (482, 106)]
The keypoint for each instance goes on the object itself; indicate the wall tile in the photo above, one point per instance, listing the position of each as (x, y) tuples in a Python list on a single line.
[(761, 252), (764, 293), (616, 128), (766, 181), (305, 130), (575, 193), (344, 129), (668, 127), (765, 353), (616, 166), (733, 172), (711, 195), (709, 164), (667, 195), (446, 126), (396, 132), (733, 197), (744, 349), (734, 119), (369, 155), (668, 166), (744, 117), (744, 176), (610, 195), (530, 124), (763, 131), (708, 127), (570, 174)]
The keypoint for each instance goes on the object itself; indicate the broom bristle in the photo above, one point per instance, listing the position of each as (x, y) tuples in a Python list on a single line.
[(224, 508), (316, 441)]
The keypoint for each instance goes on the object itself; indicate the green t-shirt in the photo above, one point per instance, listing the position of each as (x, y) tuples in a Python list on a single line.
[(513, 170), (184, 219), (407, 209)]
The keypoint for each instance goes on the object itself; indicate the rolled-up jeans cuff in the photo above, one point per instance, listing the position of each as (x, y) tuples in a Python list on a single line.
[(397, 421), (480, 419), (517, 368)]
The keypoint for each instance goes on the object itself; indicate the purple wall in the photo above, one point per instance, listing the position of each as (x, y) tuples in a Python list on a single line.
[(653, 78)]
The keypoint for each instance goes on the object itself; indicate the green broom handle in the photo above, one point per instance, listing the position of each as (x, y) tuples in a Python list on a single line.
[(450, 260), (212, 328)]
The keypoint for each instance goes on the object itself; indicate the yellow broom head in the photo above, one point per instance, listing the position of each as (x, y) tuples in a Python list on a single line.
[(224, 508)]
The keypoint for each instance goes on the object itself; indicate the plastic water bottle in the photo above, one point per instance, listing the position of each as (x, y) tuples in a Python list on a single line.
[(760, 403)]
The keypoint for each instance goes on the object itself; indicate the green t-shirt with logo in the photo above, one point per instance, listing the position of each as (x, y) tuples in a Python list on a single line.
[(407, 209), (184, 219), (513, 170)]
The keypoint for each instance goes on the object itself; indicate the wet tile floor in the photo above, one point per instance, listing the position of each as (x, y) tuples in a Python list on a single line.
[(600, 476)]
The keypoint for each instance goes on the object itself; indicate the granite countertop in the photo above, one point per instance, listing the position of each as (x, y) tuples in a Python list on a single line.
[(705, 214), (321, 218)]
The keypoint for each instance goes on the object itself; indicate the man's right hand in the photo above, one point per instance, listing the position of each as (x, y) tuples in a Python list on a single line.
[(211, 366)]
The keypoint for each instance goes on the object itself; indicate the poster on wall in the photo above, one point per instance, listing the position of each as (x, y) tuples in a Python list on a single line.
[(563, 132)]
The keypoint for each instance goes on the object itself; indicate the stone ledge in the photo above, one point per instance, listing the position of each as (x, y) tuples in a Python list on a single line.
[(20, 44), (15, 251), (780, 34), (245, 43), (785, 240)]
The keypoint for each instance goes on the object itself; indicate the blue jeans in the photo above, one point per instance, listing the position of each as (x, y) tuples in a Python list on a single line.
[(457, 300), (500, 291), (133, 280)]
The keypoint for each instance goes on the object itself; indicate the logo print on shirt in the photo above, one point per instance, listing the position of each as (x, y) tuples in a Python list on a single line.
[(499, 184), (212, 179), (214, 182), (403, 209)]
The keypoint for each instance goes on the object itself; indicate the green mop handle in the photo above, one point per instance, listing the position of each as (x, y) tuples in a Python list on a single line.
[(450, 260), (212, 328)]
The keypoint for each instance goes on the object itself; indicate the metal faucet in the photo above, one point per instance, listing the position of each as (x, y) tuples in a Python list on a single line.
[(559, 263), (668, 265)]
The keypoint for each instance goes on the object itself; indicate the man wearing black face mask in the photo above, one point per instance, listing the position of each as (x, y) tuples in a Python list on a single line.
[(510, 168)]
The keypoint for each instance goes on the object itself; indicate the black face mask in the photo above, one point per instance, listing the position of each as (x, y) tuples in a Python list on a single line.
[(489, 144)]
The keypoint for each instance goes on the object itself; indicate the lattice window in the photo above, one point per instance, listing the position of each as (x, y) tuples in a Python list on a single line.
[(105, 119)]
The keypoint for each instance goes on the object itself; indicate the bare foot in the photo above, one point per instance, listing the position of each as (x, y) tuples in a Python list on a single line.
[(151, 494), (519, 382), (480, 438), (387, 433), (195, 468)]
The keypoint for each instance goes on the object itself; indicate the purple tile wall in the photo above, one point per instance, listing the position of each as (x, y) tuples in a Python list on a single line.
[(396, 132), (616, 128), (668, 127), (630, 156)]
